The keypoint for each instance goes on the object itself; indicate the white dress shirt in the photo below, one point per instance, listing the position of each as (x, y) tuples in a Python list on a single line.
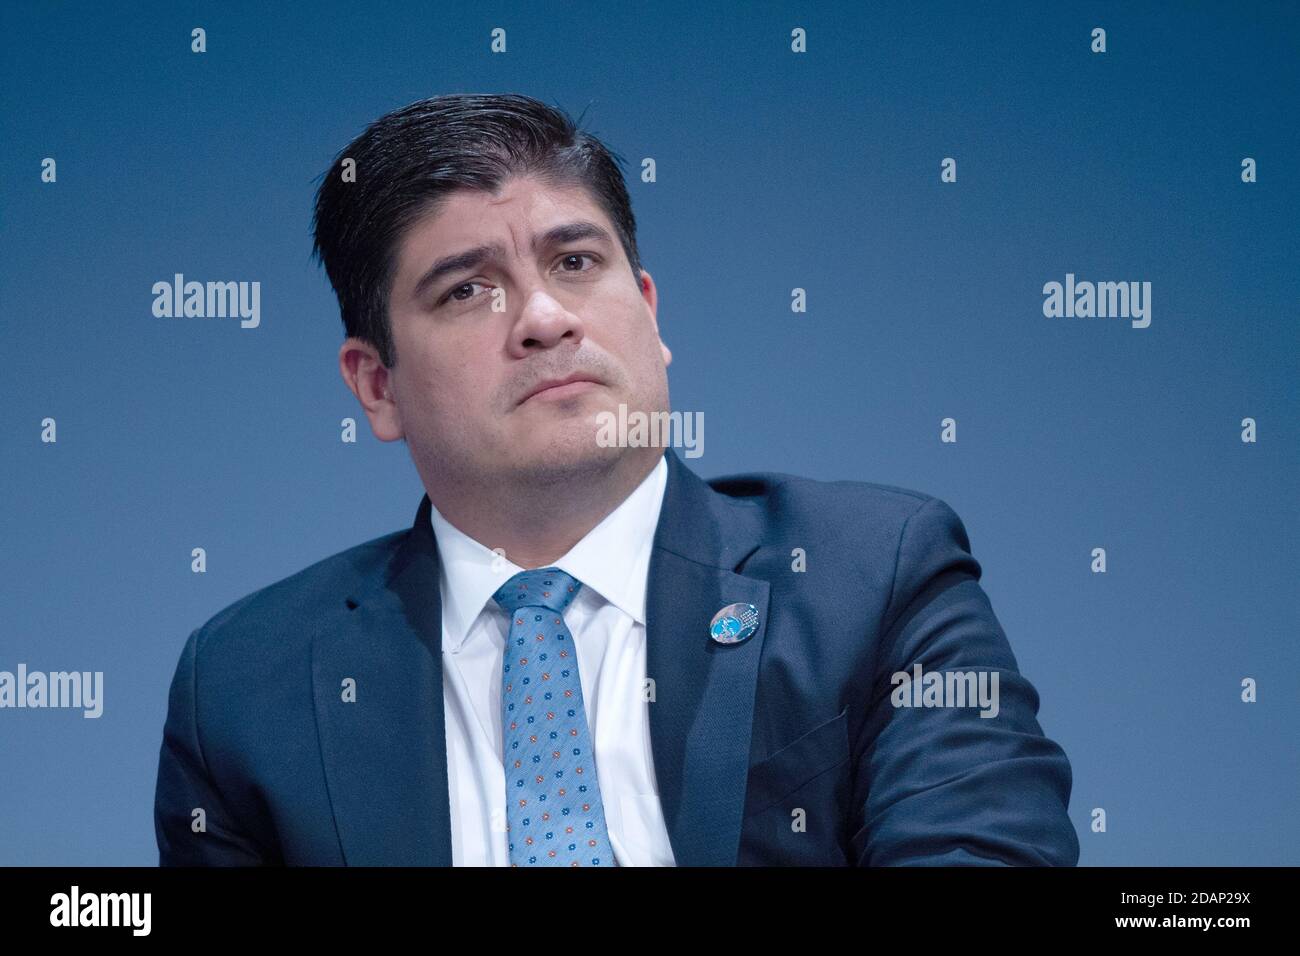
[(607, 621)]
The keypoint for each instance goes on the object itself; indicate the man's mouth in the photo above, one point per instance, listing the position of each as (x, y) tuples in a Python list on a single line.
[(561, 387)]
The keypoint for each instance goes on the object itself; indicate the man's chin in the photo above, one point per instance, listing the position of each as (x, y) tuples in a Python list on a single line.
[(559, 454)]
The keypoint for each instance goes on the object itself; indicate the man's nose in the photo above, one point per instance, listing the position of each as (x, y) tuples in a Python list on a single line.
[(543, 323)]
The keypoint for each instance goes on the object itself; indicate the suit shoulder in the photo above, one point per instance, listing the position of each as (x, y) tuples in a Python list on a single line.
[(285, 611), (855, 522), (794, 498)]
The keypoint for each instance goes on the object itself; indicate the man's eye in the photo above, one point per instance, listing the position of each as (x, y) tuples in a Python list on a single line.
[(577, 255), (454, 294)]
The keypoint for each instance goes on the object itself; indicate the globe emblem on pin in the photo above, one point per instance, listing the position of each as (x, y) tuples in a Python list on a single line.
[(734, 623)]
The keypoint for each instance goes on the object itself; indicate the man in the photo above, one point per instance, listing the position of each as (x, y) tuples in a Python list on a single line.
[(582, 654)]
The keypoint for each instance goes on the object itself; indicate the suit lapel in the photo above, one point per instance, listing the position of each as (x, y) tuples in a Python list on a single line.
[(385, 755), (702, 715)]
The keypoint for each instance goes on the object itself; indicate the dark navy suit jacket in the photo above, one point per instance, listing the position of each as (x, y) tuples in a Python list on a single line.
[(784, 749)]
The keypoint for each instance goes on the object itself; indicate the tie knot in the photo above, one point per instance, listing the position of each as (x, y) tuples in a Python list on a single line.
[(550, 588)]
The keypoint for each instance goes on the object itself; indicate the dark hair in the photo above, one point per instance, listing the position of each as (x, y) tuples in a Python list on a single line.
[(409, 159)]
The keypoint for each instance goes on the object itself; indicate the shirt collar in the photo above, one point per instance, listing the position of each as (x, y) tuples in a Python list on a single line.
[(613, 559)]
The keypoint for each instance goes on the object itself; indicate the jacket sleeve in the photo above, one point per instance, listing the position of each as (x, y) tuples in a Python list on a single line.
[(184, 785), (943, 785)]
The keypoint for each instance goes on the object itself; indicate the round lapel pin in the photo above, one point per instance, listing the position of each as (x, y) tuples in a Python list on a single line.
[(734, 623)]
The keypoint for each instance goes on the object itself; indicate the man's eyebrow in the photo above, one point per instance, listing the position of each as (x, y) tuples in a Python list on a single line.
[(575, 231)]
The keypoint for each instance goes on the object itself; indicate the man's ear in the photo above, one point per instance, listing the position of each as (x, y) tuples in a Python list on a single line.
[(370, 381), (651, 295)]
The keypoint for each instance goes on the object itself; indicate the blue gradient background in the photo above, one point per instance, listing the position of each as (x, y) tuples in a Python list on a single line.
[(775, 170)]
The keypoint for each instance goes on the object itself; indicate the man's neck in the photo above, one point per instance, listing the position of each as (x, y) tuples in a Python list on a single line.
[(535, 527)]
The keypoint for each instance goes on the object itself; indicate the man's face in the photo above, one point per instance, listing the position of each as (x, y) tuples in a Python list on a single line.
[(475, 339)]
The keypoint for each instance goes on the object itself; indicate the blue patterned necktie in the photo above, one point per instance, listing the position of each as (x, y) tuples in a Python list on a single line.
[(554, 812)]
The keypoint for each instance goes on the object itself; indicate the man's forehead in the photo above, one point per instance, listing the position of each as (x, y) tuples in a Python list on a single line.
[(460, 213)]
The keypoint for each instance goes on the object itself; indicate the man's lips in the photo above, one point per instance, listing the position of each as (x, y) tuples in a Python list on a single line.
[(560, 387)]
